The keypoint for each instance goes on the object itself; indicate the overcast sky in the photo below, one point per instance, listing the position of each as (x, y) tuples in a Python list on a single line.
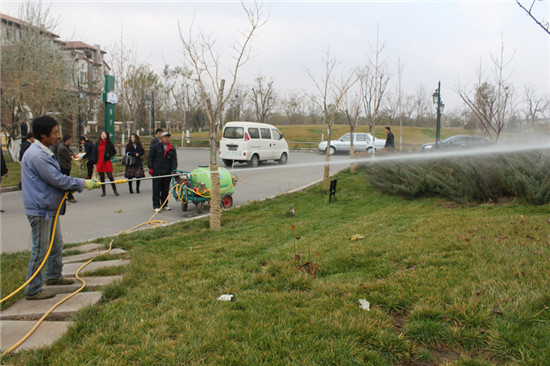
[(435, 40)]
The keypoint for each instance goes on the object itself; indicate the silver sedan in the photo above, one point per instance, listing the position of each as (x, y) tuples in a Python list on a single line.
[(361, 142)]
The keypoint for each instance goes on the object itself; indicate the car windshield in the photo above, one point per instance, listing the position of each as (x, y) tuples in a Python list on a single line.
[(345, 137), (233, 133), (449, 139)]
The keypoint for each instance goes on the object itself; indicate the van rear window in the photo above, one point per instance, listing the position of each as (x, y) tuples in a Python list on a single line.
[(233, 133)]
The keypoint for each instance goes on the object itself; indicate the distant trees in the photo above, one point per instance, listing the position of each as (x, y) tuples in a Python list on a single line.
[(491, 99), (34, 74)]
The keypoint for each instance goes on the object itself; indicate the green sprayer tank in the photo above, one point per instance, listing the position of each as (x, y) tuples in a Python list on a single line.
[(202, 175)]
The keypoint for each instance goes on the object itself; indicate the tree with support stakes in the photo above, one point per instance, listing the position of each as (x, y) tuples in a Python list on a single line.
[(206, 63)]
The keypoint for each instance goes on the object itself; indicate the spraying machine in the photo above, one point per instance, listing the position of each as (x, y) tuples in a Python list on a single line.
[(196, 187)]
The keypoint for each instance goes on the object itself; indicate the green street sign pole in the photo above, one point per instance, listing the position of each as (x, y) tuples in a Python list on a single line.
[(110, 99)]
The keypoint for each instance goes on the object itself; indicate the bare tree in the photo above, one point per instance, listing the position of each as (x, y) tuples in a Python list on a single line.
[(35, 75), (351, 107), (535, 104), (542, 23), (263, 96), (492, 97), (329, 97), (374, 80), (293, 107), (207, 66)]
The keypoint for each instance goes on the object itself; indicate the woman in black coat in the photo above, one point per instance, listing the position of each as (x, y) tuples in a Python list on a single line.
[(136, 151)]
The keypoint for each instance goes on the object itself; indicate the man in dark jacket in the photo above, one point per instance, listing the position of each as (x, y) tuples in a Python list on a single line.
[(162, 160), (65, 158), (89, 150), (156, 139), (390, 143), (25, 145)]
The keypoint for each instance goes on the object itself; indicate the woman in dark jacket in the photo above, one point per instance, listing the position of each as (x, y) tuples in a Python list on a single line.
[(105, 150), (135, 150)]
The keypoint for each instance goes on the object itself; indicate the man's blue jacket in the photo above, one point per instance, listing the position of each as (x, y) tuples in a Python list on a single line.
[(42, 182)]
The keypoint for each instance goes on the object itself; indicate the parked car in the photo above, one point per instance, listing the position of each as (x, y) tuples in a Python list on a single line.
[(457, 142), (252, 142), (361, 142)]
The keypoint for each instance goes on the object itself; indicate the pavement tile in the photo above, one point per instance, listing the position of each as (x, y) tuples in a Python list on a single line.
[(70, 269), (92, 283), (11, 331), (35, 309), (89, 255), (87, 247)]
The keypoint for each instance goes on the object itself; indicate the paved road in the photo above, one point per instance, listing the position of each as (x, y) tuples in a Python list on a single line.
[(95, 216)]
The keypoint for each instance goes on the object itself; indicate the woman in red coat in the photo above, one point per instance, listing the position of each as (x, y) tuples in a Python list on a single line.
[(105, 150)]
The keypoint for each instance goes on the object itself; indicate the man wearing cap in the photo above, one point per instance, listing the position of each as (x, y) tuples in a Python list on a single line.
[(162, 160)]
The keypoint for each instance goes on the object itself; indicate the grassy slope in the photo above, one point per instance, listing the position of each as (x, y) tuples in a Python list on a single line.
[(444, 285)]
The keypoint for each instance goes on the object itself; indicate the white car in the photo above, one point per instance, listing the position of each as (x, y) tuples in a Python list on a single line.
[(361, 142)]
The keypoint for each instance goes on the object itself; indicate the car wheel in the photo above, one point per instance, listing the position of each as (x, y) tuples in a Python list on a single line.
[(228, 163), (332, 150), (369, 149), (227, 201), (283, 159), (184, 206), (254, 161)]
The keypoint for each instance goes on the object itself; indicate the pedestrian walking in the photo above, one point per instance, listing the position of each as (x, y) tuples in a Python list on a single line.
[(65, 158), (105, 150), (134, 165), (390, 143), (162, 160), (89, 155), (43, 188), (4, 171)]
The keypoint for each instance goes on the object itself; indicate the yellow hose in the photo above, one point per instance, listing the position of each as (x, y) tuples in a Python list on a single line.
[(149, 223)]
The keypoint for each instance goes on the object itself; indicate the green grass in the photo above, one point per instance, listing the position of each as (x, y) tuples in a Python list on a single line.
[(455, 286)]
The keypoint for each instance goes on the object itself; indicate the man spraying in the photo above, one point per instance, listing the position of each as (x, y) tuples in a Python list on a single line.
[(43, 188), (162, 160)]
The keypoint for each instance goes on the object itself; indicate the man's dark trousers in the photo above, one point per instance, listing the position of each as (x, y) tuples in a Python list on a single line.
[(161, 186)]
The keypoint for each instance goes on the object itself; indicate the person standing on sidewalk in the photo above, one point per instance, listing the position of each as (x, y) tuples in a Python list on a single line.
[(390, 140), (156, 139), (162, 160), (65, 158), (105, 150), (4, 169), (135, 150), (43, 188), (89, 154)]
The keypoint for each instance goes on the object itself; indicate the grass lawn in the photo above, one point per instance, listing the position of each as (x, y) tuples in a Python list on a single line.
[(446, 285)]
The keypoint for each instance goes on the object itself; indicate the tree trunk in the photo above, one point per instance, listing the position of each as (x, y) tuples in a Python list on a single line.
[(351, 151), (215, 199), (326, 175)]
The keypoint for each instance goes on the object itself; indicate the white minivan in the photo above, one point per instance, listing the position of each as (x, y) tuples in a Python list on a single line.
[(252, 142)]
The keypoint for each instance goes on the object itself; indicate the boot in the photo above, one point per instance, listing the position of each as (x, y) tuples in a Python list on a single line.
[(130, 187), (102, 190), (114, 189), (137, 186)]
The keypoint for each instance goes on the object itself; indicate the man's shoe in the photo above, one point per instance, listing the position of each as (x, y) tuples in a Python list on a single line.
[(61, 281), (157, 209), (116, 194), (166, 208), (42, 295), (72, 200)]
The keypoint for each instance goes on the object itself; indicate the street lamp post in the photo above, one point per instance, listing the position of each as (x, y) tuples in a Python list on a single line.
[(440, 107)]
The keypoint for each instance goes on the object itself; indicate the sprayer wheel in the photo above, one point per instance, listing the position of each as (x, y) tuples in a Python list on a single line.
[(227, 201), (184, 206), (200, 206)]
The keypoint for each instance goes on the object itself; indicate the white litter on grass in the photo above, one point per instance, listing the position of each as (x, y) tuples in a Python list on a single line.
[(364, 304), (226, 298)]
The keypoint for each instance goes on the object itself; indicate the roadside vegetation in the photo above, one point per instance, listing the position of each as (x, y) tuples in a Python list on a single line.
[(447, 284), (486, 178)]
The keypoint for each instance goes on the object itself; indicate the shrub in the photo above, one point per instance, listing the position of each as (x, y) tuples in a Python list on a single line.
[(486, 178)]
